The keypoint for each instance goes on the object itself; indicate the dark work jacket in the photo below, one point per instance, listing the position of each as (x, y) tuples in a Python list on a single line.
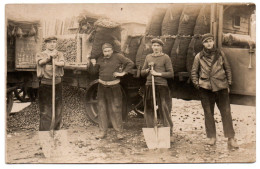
[(211, 72)]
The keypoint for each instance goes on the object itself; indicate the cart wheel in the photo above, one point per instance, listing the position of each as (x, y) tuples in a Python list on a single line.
[(92, 103), (21, 94), (9, 102)]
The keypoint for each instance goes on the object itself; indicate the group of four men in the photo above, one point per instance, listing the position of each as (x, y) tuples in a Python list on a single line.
[(210, 74)]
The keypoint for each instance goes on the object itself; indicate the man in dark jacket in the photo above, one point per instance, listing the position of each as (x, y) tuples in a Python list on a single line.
[(109, 89), (211, 74), (162, 70)]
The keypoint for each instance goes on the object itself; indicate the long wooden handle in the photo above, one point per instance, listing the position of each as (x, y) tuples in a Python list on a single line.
[(154, 100), (53, 95)]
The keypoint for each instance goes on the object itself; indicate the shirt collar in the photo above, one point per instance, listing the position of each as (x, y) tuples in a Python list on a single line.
[(50, 52), (107, 57), (157, 55)]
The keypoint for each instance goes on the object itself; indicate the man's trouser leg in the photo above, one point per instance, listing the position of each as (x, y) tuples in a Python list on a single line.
[(114, 103), (223, 104), (102, 109), (58, 106), (164, 102), (148, 107), (45, 106), (208, 103)]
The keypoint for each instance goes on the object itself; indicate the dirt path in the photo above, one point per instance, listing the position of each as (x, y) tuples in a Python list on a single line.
[(23, 146)]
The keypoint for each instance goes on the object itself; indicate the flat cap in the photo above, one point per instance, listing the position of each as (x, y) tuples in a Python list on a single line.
[(106, 45), (50, 38), (157, 40), (206, 37)]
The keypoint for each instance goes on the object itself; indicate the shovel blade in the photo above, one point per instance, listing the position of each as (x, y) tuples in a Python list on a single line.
[(54, 144), (154, 140)]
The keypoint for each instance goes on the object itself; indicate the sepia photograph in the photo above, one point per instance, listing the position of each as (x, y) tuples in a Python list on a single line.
[(130, 83)]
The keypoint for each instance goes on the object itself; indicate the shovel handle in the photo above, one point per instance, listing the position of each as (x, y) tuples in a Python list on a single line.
[(53, 95), (154, 98)]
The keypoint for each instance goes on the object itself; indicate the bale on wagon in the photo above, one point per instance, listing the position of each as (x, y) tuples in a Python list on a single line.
[(144, 49), (154, 26), (179, 53), (131, 46), (171, 19), (188, 19), (202, 27), (168, 44)]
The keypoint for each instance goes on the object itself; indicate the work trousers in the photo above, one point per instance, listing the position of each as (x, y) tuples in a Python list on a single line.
[(221, 98), (110, 107), (45, 105), (164, 102)]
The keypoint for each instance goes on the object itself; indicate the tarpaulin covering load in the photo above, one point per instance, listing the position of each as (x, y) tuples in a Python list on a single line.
[(188, 19), (203, 21), (131, 46), (144, 49), (230, 39), (171, 19), (168, 44), (106, 31), (179, 53), (194, 48), (154, 26)]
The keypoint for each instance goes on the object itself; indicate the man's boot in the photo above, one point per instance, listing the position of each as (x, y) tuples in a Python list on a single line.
[(211, 141), (232, 142), (119, 136), (102, 135)]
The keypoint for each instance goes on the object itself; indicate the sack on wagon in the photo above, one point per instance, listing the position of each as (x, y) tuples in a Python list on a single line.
[(131, 46), (195, 47), (154, 26), (144, 49), (171, 19), (179, 53), (168, 44), (106, 31), (202, 25), (188, 19)]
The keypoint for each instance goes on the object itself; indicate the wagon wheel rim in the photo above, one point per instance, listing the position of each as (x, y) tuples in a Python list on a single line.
[(9, 103), (92, 104), (20, 94)]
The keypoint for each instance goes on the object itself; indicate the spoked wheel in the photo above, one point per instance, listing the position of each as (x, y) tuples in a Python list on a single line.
[(21, 94), (9, 102), (91, 102), (139, 107)]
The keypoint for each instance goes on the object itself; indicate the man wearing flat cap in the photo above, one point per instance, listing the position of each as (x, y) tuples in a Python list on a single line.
[(109, 89), (162, 70), (211, 75), (45, 74)]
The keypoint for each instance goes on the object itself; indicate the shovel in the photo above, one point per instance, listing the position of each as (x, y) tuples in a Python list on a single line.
[(156, 138), (53, 142)]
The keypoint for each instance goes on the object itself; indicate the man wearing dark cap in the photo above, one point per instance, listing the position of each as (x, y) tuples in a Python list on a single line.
[(162, 70), (109, 90), (44, 73), (211, 75)]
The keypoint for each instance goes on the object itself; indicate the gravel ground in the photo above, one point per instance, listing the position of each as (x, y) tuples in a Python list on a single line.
[(23, 145)]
